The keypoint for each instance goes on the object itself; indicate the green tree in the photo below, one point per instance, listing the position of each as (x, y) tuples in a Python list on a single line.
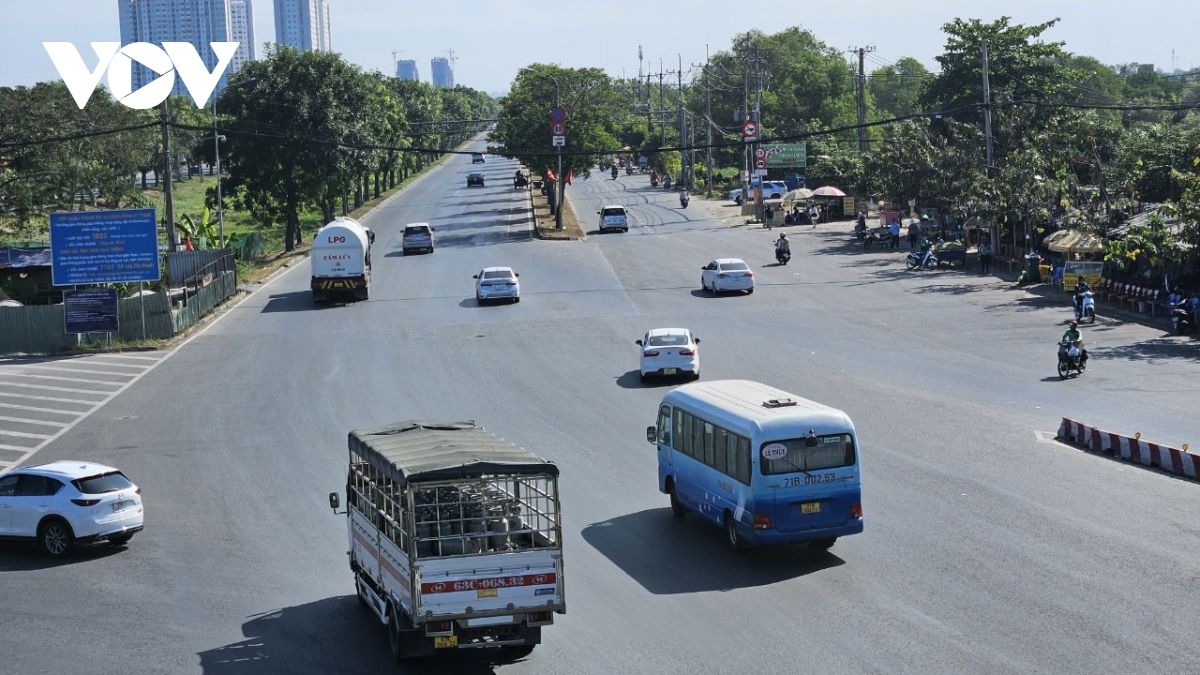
[(896, 89)]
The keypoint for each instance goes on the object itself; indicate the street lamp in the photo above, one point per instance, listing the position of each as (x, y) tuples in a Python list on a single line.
[(217, 138), (561, 187)]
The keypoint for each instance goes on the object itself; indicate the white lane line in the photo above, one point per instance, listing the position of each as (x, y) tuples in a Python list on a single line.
[(56, 411), (156, 359), (83, 370), (56, 378), (17, 448), (48, 398), (22, 385), (22, 434), (26, 420)]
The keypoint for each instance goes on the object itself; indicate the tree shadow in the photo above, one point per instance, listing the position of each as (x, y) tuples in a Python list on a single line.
[(333, 635), (1157, 350), (949, 289), (667, 555)]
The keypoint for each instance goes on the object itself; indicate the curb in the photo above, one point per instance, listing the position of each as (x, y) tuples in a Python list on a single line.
[(1131, 449)]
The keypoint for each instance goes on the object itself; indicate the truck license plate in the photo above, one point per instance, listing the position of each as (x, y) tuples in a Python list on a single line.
[(810, 507), (448, 642)]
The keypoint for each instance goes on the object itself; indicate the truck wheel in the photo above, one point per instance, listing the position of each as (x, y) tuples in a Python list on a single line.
[(394, 642)]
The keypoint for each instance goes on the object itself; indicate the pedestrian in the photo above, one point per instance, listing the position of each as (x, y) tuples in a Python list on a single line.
[(768, 214), (914, 233), (985, 256), (894, 230)]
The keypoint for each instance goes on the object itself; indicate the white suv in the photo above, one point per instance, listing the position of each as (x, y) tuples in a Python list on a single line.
[(67, 504), (770, 190)]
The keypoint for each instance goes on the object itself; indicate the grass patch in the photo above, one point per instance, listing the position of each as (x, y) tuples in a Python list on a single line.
[(544, 220)]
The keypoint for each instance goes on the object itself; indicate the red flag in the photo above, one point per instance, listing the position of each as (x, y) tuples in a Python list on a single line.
[(550, 174), (189, 244), (567, 178)]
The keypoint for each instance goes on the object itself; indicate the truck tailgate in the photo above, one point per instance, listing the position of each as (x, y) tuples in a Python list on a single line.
[(491, 584)]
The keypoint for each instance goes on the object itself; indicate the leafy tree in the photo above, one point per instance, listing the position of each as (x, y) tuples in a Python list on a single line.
[(896, 89), (302, 133)]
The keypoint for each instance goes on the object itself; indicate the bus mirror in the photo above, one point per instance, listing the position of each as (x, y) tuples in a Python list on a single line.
[(334, 503), (651, 435)]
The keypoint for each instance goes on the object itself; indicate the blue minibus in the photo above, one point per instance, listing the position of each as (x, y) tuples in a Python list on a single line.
[(767, 466)]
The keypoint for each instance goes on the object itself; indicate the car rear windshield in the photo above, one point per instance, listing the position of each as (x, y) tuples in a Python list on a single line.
[(668, 340), (793, 455), (614, 212), (503, 274), (735, 266), (416, 230), (105, 482)]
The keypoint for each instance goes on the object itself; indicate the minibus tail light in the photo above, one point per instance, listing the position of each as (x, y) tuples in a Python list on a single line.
[(762, 522), (856, 510)]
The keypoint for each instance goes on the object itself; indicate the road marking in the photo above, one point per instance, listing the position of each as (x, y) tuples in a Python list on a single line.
[(21, 434), (25, 420), (93, 372), (14, 447), (56, 411), (56, 378), (49, 388), (48, 398), (133, 356)]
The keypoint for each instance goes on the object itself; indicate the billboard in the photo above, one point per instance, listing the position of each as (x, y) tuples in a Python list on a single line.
[(103, 247), (787, 155), (90, 310)]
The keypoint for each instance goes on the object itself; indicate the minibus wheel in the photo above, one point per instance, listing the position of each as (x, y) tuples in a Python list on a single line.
[(823, 544), (731, 533), (677, 506)]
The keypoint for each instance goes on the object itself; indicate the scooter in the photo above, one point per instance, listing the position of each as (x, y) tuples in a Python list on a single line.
[(653, 180), (915, 261), (667, 183), (1182, 320), (614, 173), (860, 231), (683, 201), (1070, 357), (782, 256), (1085, 307), (628, 169)]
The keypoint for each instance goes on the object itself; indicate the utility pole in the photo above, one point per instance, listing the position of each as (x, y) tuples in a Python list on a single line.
[(165, 119), (987, 110), (708, 124), (662, 123), (758, 120), (863, 140)]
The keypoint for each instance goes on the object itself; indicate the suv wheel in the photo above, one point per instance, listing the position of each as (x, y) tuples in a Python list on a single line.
[(57, 538)]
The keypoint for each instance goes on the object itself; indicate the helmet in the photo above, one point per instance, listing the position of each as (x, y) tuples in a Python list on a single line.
[(1074, 324)]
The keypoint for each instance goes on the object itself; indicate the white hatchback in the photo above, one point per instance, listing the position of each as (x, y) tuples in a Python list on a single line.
[(496, 283), (670, 351), (67, 504), (727, 274)]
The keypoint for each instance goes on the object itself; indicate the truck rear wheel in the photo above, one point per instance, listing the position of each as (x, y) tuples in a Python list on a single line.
[(395, 643)]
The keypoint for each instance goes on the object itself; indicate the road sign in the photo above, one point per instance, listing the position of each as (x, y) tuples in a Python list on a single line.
[(558, 129), (760, 153), (761, 172), (749, 129), (557, 114), (103, 247), (90, 310), (760, 163), (558, 141)]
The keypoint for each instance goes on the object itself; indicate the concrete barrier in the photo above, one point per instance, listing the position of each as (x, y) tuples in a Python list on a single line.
[(1130, 449)]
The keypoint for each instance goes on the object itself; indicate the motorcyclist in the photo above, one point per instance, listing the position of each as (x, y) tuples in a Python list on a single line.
[(1072, 335), (653, 178), (614, 172), (1081, 287), (783, 245), (667, 182), (926, 249), (860, 228), (683, 197)]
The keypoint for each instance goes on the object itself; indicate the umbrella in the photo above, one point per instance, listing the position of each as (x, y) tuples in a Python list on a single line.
[(828, 191), (797, 195)]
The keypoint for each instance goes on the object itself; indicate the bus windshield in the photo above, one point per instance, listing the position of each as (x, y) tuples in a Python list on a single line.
[(796, 454)]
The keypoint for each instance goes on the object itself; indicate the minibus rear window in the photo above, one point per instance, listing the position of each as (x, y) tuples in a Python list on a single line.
[(796, 455)]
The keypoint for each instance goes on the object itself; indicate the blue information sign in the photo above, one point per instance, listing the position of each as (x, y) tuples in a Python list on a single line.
[(90, 310), (103, 247)]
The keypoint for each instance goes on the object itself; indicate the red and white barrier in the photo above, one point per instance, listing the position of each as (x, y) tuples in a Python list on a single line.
[(1130, 449)]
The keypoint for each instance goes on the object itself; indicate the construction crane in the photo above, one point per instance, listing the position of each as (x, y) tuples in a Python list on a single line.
[(394, 61)]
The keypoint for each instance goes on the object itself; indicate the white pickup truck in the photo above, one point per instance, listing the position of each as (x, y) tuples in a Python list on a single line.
[(455, 537)]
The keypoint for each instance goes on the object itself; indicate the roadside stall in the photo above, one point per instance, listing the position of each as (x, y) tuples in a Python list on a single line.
[(1075, 247)]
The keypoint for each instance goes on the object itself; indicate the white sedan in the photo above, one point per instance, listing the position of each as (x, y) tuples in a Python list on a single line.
[(495, 283), (727, 274), (670, 351)]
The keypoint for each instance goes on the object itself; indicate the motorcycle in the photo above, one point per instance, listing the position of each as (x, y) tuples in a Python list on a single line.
[(1070, 357), (1182, 320), (667, 183), (614, 173), (860, 231), (628, 169), (782, 256), (653, 180), (683, 200), (914, 260), (1085, 307), (870, 238)]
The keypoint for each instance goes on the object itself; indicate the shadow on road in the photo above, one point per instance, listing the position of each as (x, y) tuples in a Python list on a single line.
[(297, 301), (633, 380), (667, 555), (21, 556), (334, 635)]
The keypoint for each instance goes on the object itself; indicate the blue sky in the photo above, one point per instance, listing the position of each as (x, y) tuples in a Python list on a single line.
[(493, 38)]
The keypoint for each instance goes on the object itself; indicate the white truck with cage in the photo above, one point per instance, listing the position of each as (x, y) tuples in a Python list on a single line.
[(341, 261), (455, 537)]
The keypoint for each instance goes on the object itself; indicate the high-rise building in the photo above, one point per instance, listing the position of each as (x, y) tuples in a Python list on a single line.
[(441, 72), (197, 22), (241, 26), (407, 70), (304, 25)]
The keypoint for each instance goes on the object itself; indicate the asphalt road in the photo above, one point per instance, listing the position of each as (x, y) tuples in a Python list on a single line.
[(988, 549)]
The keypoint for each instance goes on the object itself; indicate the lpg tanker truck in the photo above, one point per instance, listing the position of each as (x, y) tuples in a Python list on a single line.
[(341, 261)]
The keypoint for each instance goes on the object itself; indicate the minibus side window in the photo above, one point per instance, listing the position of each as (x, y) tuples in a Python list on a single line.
[(697, 438), (743, 460), (719, 445), (709, 455), (664, 425)]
